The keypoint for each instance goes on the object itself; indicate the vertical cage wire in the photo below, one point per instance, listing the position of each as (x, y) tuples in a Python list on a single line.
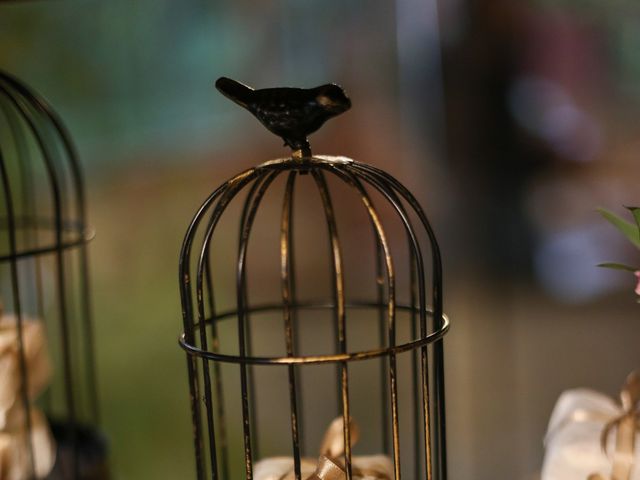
[(44, 272), (207, 356)]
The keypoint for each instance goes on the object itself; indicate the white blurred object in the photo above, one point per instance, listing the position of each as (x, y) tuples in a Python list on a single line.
[(578, 431), (565, 263), (15, 459), (330, 465), (548, 111)]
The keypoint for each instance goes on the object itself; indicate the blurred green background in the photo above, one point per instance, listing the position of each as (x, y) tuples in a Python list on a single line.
[(511, 120)]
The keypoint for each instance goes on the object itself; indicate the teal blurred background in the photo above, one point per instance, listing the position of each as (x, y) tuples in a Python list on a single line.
[(511, 120)]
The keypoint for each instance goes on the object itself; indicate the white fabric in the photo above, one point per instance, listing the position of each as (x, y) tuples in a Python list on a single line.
[(281, 468), (372, 467), (275, 467), (572, 446)]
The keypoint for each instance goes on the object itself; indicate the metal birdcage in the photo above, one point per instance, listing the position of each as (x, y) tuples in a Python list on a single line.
[(44, 276), (313, 354)]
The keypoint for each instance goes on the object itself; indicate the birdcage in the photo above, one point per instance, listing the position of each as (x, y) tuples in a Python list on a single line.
[(288, 324), (45, 293)]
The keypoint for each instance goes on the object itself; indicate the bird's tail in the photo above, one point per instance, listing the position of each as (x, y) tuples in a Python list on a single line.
[(236, 91)]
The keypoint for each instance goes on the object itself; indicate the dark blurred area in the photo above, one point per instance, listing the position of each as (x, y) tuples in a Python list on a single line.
[(511, 120)]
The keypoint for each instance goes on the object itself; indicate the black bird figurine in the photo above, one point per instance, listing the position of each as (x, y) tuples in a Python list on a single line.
[(290, 113)]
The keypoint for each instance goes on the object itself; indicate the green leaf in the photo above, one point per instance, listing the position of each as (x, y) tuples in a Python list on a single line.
[(617, 266), (628, 229), (635, 211)]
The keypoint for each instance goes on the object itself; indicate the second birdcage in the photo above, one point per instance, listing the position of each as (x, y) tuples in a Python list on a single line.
[(48, 400)]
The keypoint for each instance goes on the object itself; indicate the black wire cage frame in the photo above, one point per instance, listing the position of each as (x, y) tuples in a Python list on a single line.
[(44, 273), (202, 320)]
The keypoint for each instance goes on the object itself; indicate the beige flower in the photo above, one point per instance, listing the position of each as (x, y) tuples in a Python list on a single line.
[(15, 444), (37, 363), (15, 462)]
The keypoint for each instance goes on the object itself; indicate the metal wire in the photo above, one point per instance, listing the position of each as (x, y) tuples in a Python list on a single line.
[(30, 121), (436, 298), (427, 324), (15, 290), (339, 312), (416, 254), (288, 299)]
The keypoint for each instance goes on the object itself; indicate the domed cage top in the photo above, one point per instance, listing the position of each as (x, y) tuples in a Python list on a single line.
[(388, 342), (44, 276)]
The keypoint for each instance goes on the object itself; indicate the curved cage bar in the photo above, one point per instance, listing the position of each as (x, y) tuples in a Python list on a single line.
[(336, 333), (44, 280)]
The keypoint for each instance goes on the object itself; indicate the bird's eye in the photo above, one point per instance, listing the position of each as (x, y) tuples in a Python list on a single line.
[(324, 100)]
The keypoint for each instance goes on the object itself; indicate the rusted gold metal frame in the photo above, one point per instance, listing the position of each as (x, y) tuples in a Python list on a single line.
[(428, 324)]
